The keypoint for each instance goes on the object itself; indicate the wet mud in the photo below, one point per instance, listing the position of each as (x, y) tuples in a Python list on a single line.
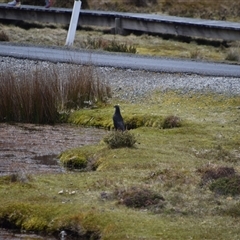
[(34, 148), (10, 235)]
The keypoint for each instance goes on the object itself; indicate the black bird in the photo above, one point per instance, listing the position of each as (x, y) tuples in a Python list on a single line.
[(118, 120)]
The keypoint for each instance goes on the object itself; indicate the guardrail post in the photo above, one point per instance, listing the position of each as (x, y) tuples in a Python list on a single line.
[(73, 23), (118, 27)]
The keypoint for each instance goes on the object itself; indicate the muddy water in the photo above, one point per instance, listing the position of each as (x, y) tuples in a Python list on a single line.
[(7, 235), (33, 149)]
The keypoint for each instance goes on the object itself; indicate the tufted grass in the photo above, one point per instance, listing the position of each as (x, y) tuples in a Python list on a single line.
[(43, 95), (164, 162)]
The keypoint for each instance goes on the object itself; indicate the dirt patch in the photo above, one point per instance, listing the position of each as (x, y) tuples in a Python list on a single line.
[(34, 148)]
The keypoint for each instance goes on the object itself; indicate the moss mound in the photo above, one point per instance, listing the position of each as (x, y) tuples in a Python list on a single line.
[(83, 159)]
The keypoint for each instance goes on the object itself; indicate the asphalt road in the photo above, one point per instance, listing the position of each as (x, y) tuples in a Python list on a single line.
[(120, 60)]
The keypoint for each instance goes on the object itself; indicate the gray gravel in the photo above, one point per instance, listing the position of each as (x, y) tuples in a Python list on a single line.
[(132, 85)]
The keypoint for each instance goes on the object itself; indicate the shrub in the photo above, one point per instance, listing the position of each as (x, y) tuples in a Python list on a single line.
[(210, 174), (119, 139), (139, 197), (171, 122), (226, 186)]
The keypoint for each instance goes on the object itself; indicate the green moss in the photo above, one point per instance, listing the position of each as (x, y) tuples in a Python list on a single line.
[(81, 158), (78, 161), (97, 118), (25, 216), (103, 118), (164, 162)]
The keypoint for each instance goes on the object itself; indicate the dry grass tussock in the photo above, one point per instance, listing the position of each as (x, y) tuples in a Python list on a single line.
[(119, 139), (139, 197), (43, 95)]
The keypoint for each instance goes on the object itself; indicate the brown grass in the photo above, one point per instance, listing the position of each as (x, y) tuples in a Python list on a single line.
[(4, 37), (108, 45), (39, 95), (233, 54), (171, 121), (137, 197), (210, 173), (215, 9)]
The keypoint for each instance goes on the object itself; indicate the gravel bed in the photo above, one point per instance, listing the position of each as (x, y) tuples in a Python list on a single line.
[(132, 85)]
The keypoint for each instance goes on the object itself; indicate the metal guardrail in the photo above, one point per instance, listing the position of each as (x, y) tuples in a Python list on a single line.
[(123, 23)]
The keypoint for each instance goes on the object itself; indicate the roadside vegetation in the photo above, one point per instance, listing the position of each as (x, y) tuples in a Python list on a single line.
[(165, 46)]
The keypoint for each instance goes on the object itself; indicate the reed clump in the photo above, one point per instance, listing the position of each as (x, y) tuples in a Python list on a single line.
[(42, 95)]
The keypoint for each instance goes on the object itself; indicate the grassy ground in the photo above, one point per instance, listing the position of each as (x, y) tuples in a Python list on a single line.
[(169, 162), (144, 44)]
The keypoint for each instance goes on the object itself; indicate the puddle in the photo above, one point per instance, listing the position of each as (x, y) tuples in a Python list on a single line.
[(34, 148), (7, 235), (47, 160), (16, 235)]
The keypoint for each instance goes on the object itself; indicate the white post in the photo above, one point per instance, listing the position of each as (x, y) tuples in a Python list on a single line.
[(73, 23)]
